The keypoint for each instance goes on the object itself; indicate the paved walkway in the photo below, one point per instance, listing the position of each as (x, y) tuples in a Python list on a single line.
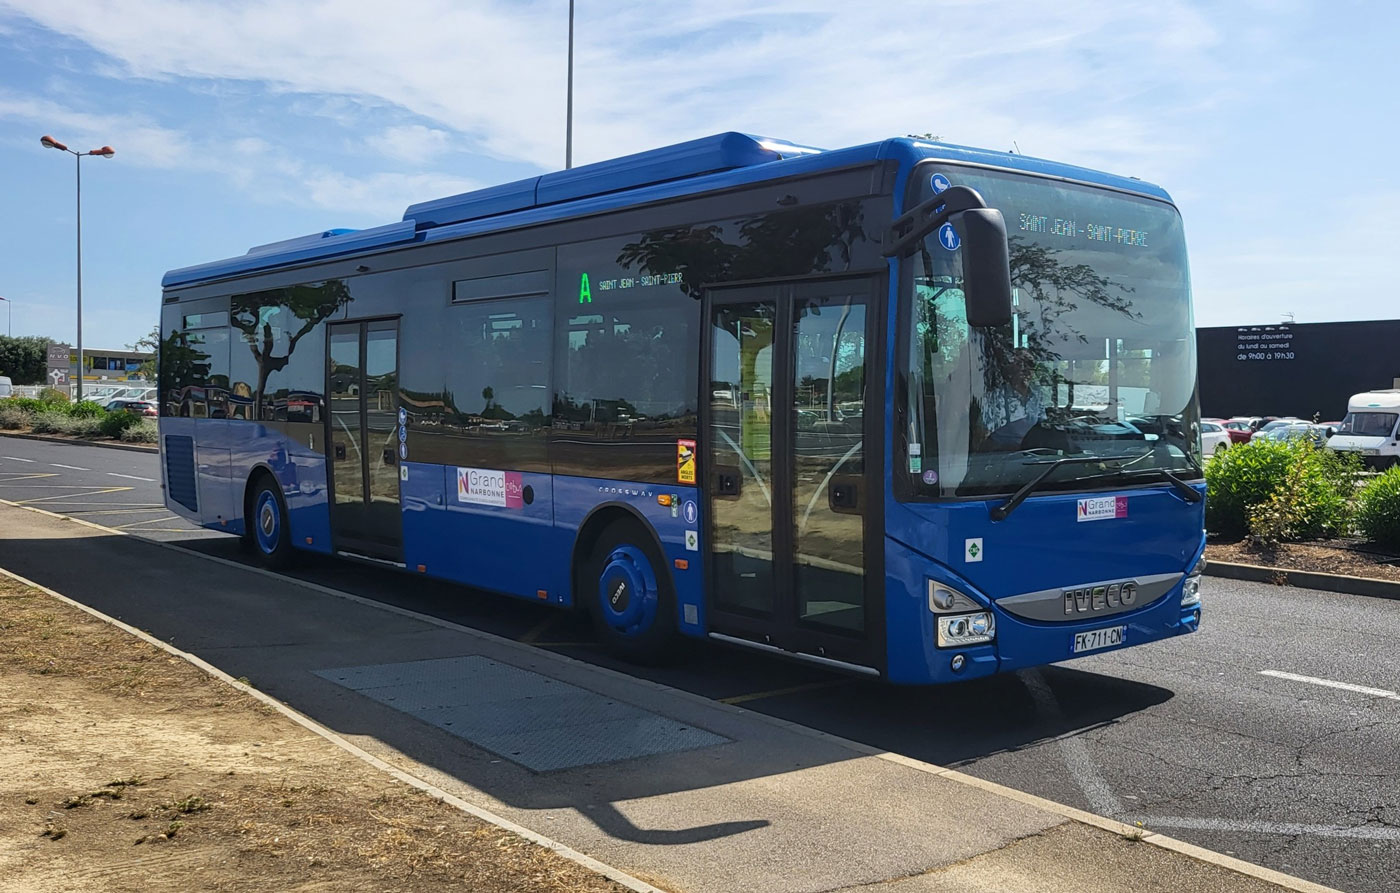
[(683, 792)]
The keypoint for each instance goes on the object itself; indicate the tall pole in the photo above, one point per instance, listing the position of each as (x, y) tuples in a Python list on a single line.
[(569, 114), (78, 163)]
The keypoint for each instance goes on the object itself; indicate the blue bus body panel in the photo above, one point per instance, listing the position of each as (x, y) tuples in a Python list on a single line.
[(293, 251)]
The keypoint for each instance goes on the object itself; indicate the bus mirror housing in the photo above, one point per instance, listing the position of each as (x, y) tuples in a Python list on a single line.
[(985, 252), (986, 268)]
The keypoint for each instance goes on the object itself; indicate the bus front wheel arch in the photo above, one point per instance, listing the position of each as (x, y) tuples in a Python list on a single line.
[(621, 580)]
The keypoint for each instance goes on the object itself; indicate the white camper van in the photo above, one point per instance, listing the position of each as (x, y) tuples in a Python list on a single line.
[(6, 388), (1370, 428)]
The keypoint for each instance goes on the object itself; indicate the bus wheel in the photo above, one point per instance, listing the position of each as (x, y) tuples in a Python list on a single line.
[(267, 524), (630, 596)]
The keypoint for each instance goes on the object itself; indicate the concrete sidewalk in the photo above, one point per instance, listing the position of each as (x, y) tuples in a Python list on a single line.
[(685, 793)]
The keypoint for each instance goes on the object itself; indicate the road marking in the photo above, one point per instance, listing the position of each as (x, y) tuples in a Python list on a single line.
[(69, 467), (134, 511), (28, 477), (131, 477), (1328, 683), (71, 495), (147, 521), (1287, 829), (1075, 752), (16, 459), (779, 692)]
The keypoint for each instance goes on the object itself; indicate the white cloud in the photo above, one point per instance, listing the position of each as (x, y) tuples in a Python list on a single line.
[(823, 71), (413, 143), (381, 195)]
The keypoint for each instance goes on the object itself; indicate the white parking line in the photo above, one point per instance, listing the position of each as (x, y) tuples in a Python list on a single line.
[(1074, 751), (1289, 829), (16, 459), (131, 477), (69, 467), (1328, 683)]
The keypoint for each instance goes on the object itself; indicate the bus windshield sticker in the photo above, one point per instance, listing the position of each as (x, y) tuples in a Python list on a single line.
[(939, 182), (685, 461), (484, 486), (1103, 508)]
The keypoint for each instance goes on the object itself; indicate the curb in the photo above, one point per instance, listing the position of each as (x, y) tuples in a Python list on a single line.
[(613, 874), (78, 441), (1070, 813), (1280, 576)]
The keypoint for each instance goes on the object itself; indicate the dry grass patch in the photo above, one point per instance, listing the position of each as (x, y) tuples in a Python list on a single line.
[(115, 754)]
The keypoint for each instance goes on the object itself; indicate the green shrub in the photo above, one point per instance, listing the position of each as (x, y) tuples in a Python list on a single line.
[(87, 409), (1378, 508), (144, 431), (50, 422), (1280, 490), (114, 423), (27, 404), (53, 395), (13, 417), (59, 422)]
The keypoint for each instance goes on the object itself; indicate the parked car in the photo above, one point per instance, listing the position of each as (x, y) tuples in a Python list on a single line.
[(1240, 428), (1294, 429), (1371, 428), (1214, 438), (140, 407)]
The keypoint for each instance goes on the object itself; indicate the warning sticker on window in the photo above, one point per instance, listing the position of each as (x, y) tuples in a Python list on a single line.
[(685, 461)]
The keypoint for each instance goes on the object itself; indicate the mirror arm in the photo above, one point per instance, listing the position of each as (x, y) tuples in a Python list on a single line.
[(911, 226)]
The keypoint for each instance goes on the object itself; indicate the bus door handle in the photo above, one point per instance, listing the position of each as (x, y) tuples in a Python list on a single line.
[(728, 482), (340, 451), (843, 494)]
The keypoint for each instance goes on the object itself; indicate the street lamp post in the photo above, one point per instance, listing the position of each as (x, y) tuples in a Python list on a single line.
[(9, 318), (49, 142)]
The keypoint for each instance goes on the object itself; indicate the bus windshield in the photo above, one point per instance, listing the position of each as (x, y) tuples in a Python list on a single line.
[(1098, 359)]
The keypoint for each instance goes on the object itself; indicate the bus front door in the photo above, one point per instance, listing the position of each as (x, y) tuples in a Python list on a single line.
[(785, 426), (363, 384)]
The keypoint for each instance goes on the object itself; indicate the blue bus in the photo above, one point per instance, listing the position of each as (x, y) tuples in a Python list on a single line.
[(909, 409)]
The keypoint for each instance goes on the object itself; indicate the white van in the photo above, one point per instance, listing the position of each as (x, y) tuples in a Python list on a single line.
[(1370, 428), (7, 389)]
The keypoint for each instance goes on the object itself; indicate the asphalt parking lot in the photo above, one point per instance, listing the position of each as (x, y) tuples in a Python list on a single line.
[(1273, 734)]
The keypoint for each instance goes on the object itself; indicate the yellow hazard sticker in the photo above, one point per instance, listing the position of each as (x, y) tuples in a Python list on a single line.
[(685, 461)]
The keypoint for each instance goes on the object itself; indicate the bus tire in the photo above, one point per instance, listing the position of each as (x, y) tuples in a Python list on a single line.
[(268, 535), (629, 594)]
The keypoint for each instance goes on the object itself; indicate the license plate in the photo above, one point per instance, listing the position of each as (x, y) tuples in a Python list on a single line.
[(1095, 639)]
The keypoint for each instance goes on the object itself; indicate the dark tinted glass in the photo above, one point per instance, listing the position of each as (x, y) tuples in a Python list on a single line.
[(194, 371), (626, 346), (494, 411), (279, 351)]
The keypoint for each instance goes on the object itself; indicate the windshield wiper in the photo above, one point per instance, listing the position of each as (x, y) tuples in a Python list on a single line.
[(999, 513), (1188, 492)]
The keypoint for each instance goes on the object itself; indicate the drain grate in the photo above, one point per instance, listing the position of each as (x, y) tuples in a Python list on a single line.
[(539, 722)]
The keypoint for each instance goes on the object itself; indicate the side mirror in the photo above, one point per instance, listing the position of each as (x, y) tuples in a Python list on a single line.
[(986, 267), (1331, 431)]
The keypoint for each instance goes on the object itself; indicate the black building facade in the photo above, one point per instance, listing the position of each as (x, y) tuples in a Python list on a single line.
[(1295, 369)]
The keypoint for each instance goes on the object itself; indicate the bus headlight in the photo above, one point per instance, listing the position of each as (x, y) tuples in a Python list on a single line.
[(959, 630), (1191, 589)]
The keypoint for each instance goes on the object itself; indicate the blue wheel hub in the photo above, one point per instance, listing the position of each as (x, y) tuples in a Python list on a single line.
[(267, 522), (627, 592)]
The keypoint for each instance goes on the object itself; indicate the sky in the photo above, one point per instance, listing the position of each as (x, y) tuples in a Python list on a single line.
[(1272, 124)]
